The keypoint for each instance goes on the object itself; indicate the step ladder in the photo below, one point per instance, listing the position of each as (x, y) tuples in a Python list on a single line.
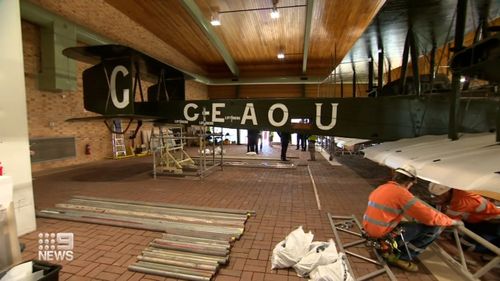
[(119, 149), (118, 141)]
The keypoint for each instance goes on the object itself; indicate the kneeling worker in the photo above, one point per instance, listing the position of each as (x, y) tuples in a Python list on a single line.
[(382, 219), (479, 214)]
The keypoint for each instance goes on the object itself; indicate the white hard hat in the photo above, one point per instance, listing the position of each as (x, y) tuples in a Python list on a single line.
[(437, 189), (407, 170)]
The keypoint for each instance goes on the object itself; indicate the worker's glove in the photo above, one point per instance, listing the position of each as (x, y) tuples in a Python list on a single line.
[(457, 223)]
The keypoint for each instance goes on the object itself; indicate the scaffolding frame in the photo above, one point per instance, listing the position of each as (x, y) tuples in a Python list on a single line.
[(342, 224), (460, 266), (203, 168), (169, 153), (168, 148)]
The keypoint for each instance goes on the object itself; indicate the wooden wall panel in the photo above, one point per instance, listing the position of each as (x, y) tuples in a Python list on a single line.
[(285, 91), (271, 91), (222, 92), (333, 91)]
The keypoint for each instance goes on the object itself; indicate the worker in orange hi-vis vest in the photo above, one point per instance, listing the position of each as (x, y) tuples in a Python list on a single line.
[(479, 214), (388, 204)]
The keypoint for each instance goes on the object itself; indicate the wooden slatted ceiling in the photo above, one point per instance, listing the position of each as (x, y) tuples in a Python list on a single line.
[(252, 38), (337, 25), (171, 23)]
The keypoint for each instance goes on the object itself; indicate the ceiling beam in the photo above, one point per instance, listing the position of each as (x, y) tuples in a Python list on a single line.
[(307, 33), (205, 26)]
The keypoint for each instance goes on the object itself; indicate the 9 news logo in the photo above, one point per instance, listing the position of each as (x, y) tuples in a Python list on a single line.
[(55, 246)]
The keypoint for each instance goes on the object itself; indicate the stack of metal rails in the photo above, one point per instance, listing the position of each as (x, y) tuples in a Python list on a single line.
[(197, 239), (185, 257)]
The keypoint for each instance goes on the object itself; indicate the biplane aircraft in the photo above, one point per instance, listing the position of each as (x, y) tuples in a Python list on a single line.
[(112, 88), (418, 114)]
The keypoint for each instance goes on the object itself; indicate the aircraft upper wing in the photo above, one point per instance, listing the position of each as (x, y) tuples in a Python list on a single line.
[(148, 66)]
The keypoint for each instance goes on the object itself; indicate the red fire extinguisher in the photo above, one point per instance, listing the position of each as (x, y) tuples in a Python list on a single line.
[(87, 149)]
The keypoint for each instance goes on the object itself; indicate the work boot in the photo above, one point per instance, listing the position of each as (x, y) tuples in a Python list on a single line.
[(405, 265)]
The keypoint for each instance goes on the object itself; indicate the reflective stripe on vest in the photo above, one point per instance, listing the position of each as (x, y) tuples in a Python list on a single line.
[(464, 215), (409, 204), (384, 208), (379, 223), (482, 206)]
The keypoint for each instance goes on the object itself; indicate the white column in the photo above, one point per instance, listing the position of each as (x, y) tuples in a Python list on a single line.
[(14, 144)]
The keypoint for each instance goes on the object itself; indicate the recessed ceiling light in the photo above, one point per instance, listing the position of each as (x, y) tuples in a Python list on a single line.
[(275, 13), (281, 55), (215, 21)]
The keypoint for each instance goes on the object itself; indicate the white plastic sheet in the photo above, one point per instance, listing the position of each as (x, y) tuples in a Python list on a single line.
[(289, 251), (320, 253)]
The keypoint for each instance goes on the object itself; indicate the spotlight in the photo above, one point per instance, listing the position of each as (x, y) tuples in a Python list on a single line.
[(275, 14), (215, 20)]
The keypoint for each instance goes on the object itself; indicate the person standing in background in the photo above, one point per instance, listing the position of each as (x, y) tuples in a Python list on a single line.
[(299, 139), (312, 147), (285, 140)]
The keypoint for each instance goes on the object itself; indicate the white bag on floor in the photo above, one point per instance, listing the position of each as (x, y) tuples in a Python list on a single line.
[(289, 251), (336, 271), (320, 253)]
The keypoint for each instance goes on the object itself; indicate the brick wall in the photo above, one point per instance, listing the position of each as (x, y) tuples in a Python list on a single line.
[(196, 90), (47, 111)]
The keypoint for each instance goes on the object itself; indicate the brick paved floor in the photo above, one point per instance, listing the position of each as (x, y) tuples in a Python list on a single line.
[(282, 198)]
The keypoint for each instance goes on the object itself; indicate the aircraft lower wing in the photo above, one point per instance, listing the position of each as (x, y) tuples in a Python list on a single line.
[(471, 163), (113, 117), (112, 87), (385, 118)]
